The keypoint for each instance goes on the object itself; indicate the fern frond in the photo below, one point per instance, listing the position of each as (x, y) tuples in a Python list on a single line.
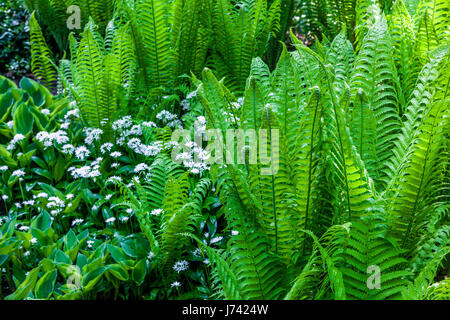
[(41, 56)]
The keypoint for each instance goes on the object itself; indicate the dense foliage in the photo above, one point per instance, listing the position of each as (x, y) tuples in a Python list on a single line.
[(14, 40), (353, 205)]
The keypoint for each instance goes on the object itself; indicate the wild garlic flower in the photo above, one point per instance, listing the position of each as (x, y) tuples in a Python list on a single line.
[(149, 124), (123, 123), (175, 284), (18, 173), (75, 113), (55, 202), (141, 167), (77, 222), (65, 125), (216, 239), (47, 139), (186, 105), (3, 168), (68, 149), (92, 135), (17, 138), (106, 147), (166, 116), (41, 195), (156, 212), (110, 220), (191, 95), (200, 125), (180, 266), (114, 179), (81, 153)]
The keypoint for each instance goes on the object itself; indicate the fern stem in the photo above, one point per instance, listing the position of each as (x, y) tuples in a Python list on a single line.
[(273, 184), (310, 167)]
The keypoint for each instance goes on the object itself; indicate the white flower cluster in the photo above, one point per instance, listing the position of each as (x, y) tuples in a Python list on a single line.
[(18, 173), (56, 204), (47, 139), (68, 149), (138, 147), (141, 167), (195, 159), (91, 171), (92, 135), (181, 266), (200, 125), (81, 153), (169, 119), (17, 138), (156, 212), (122, 124)]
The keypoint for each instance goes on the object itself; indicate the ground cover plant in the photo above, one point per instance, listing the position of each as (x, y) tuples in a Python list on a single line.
[(120, 177)]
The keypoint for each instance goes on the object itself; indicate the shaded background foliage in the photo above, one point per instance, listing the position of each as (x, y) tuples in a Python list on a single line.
[(14, 39)]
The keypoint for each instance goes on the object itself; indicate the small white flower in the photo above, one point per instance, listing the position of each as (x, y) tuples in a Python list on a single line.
[(234, 233), (17, 138), (45, 112), (77, 221), (33, 240), (3, 168), (175, 284), (110, 220), (18, 173), (181, 266), (24, 228), (116, 154), (156, 212), (28, 203), (149, 124), (216, 239), (141, 167), (191, 95), (90, 243), (68, 149), (114, 179), (5, 197), (106, 147), (82, 152), (123, 123), (92, 134), (42, 195)]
